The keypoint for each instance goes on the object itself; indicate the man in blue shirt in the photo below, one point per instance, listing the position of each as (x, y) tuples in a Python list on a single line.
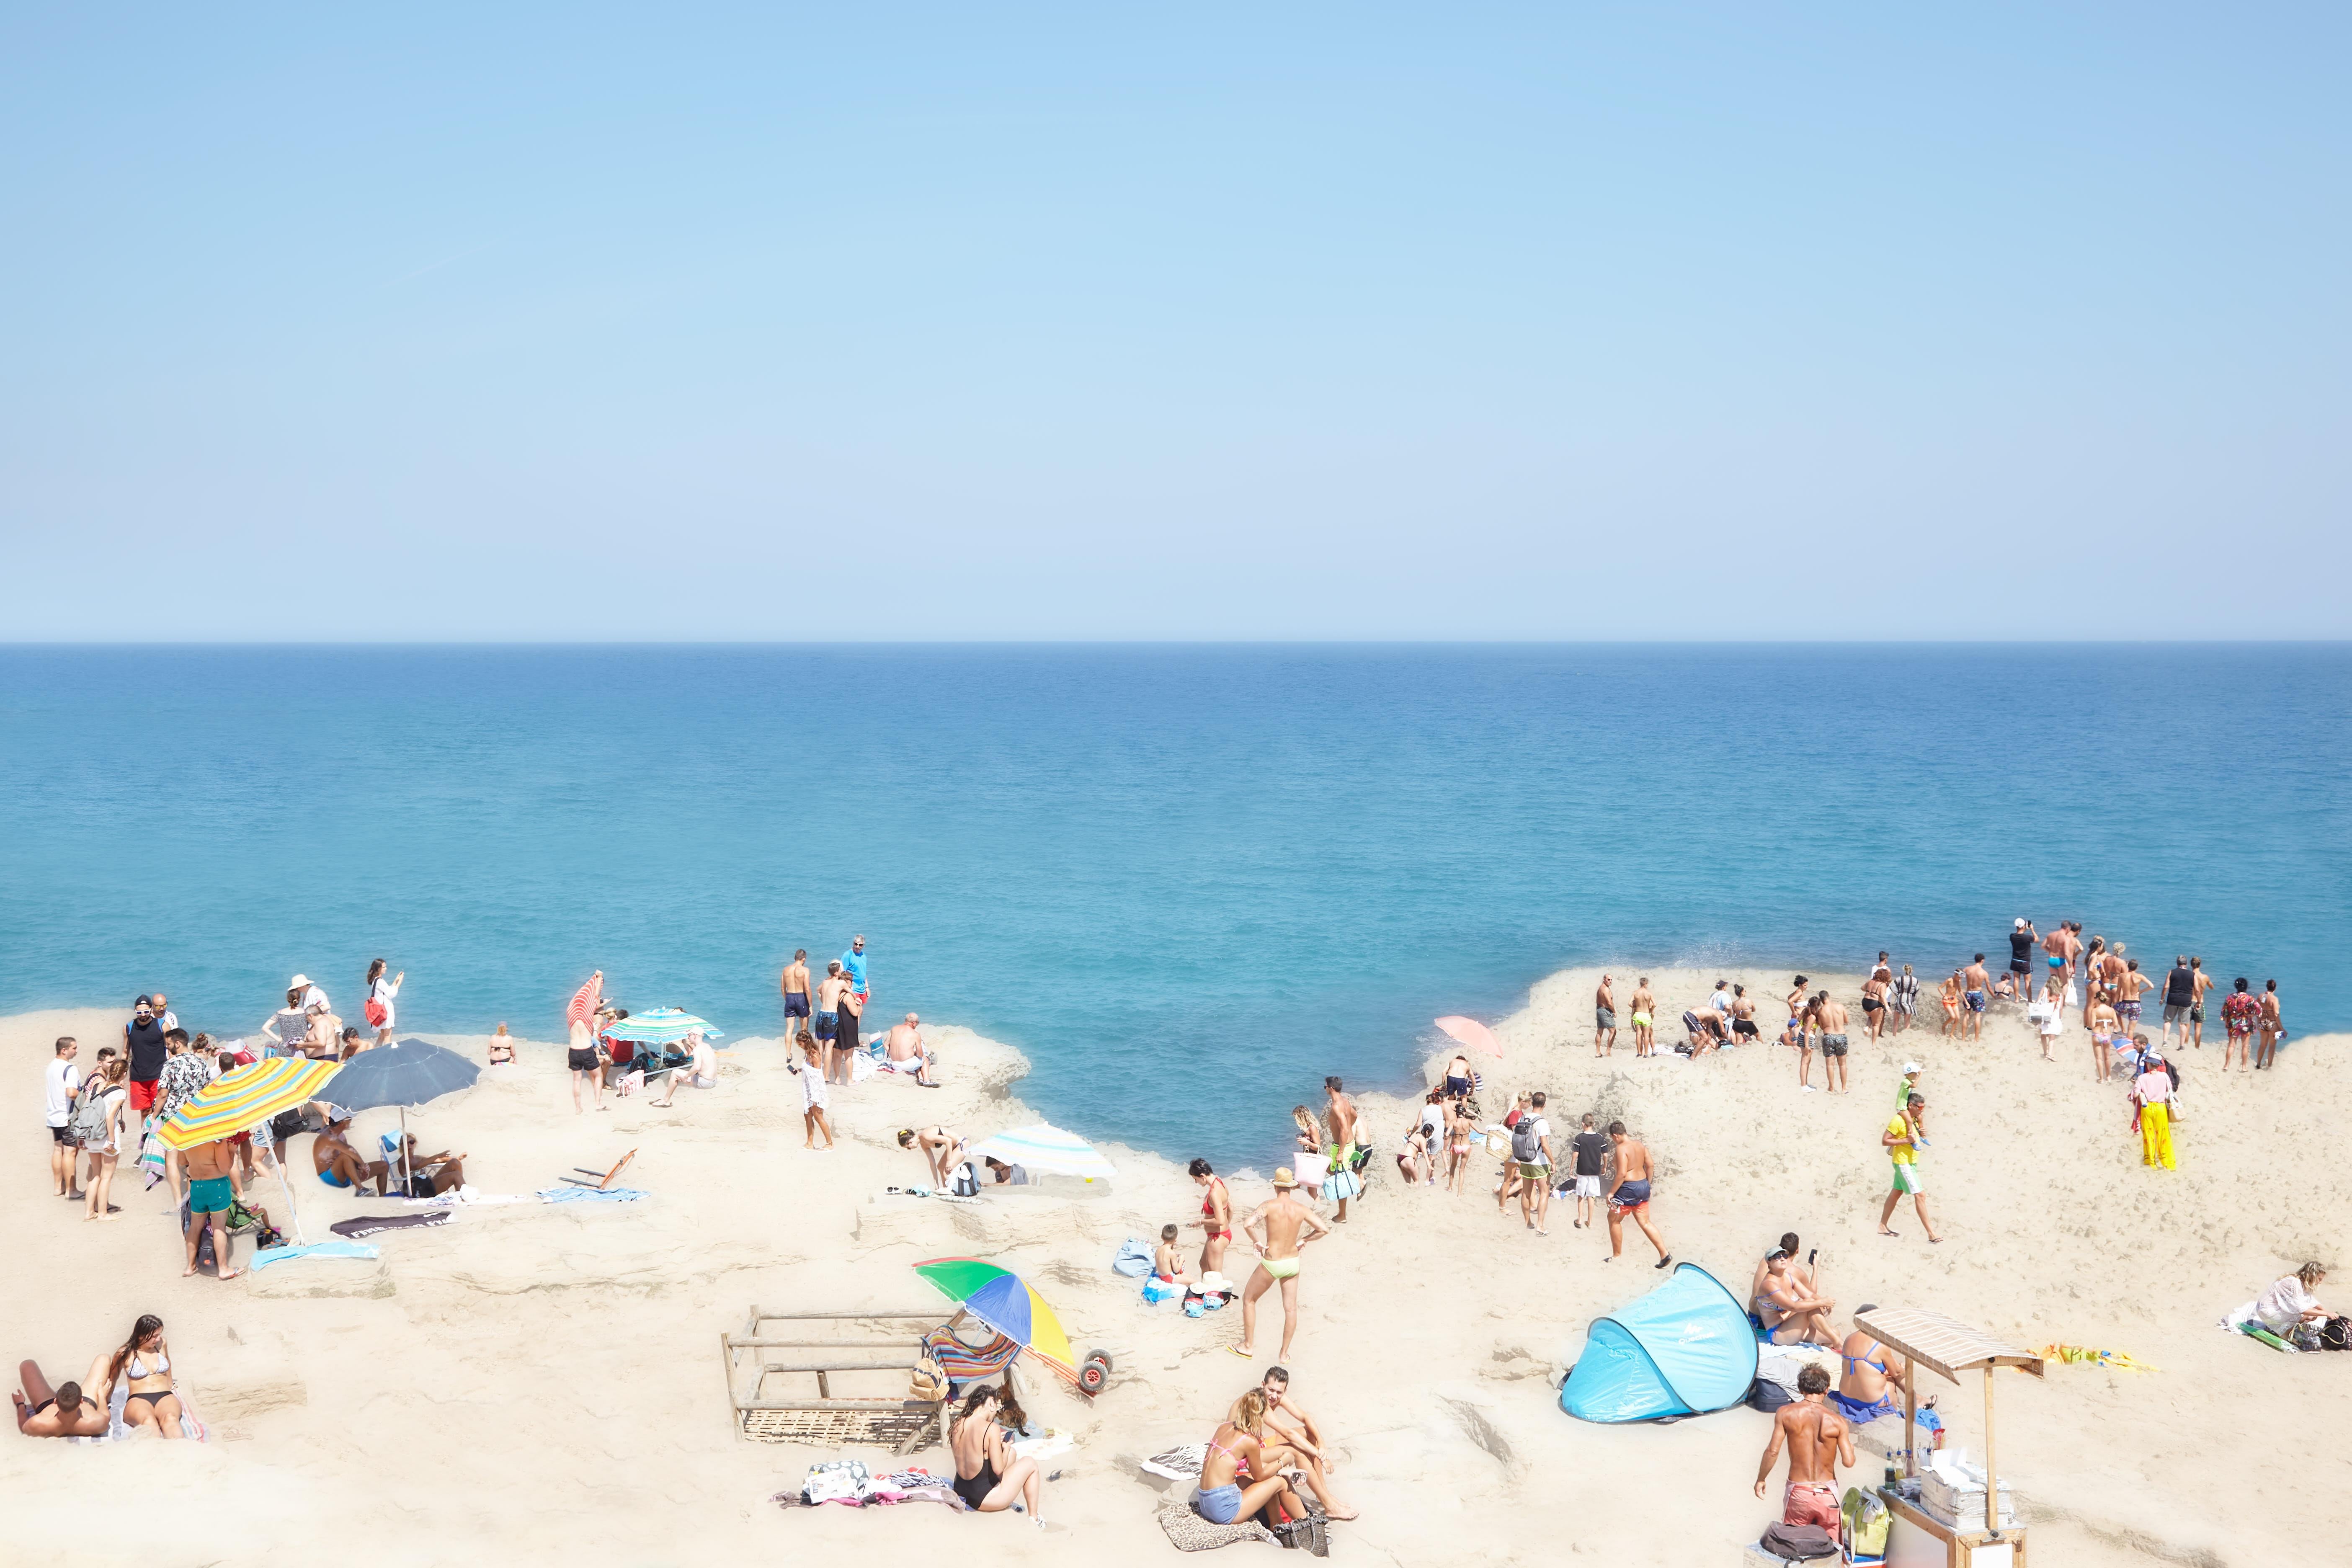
[(854, 963)]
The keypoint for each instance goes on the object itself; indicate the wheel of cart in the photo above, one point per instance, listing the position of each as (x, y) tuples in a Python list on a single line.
[(1094, 1372)]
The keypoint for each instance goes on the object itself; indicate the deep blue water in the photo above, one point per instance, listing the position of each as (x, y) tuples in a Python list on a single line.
[(1189, 881)]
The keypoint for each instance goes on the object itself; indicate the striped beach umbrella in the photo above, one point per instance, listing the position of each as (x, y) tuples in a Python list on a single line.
[(1047, 1149), (660, 1027), (243, 1098), (998, 1297)]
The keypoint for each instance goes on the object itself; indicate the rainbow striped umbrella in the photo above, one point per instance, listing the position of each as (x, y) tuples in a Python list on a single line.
[(245, 1097), (998, 1297)]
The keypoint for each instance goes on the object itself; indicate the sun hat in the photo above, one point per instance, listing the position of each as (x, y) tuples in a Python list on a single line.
[(1910, 1068), (297, 980), (1283, 1178)]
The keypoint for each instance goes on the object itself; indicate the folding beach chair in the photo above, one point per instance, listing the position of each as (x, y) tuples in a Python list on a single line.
[(605, 1180)]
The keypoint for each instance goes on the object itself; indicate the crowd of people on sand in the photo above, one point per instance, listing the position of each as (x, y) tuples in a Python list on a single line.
[(1267, 1460)]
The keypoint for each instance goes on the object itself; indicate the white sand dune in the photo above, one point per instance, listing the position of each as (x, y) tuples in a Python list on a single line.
[(542, 1383)]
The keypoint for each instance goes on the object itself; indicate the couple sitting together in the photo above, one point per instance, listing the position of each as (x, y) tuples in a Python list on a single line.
[(1789, 1305), (339, 1165), (1263, 1449)]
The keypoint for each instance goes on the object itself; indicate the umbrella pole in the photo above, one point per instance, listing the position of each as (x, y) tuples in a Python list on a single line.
[(278, 1159), (404, 1188)]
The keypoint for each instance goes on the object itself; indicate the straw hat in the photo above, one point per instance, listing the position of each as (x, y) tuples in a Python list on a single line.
[(1283, 1179)]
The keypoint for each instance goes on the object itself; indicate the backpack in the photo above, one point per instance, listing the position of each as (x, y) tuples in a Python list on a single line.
[(1798, 1542), (88, 1124), (965, 1183), (1527, 1147)]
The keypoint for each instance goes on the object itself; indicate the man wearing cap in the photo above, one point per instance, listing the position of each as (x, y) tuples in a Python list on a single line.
[(1281, 1225), (144, 1046), (1909, 1085), (338, 1163)]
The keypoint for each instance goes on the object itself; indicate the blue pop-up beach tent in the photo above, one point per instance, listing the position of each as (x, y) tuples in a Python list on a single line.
[(1684, 1348)]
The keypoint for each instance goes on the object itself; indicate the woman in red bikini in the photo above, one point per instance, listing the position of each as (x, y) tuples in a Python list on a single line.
[(1216, 1217)]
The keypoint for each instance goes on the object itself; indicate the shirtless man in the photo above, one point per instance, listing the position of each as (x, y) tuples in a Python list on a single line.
[(1274, 1233), (1872, 1384), (1832, 1016), (65, 1414), (1302, 1442), (698, 1071), (1874, 999), (2056, 951), (1788, 1308), (1339, 1113), (1645, 1019), (2197, 1006), (795, 987), (1976, 994), (829, 992), (338, 1165), (1819, 1443), (209, 1197), (1604, 1019), (1630, 1193), (2133, 986), (903, 1051)]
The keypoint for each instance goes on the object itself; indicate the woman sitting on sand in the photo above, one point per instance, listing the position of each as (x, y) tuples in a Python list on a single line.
[(1236, 1454), (146, 1359), (988, 1478), (501, 1047)]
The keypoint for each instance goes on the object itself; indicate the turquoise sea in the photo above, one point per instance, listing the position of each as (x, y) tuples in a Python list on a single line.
[(1188, 880)]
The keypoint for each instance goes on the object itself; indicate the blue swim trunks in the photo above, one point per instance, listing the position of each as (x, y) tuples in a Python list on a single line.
[(1630, 1195), (796, 1004), (825, 1024)]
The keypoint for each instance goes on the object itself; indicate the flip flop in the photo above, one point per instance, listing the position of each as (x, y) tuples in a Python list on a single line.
[(1661, 1262), (1884, 1231), (1245, 1355)]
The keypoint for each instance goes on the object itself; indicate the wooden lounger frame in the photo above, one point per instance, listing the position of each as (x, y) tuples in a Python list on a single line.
[(901, 1425)]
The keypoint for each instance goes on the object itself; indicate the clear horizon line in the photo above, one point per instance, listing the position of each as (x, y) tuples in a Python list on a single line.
[(1237, 642)]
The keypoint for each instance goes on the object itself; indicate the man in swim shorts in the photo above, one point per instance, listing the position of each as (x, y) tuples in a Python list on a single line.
[(1901, 1141), (1819, 1441), (828, 1015), (1832, 1016), (1279, 1228), (1976, 993), (1630, 1193), (1604, 1019), (1339, 1113), (209, 1197), (795, 985), (1645, 1008)]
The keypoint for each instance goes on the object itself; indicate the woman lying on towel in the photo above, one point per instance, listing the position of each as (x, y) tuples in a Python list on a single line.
[(146, 1361)]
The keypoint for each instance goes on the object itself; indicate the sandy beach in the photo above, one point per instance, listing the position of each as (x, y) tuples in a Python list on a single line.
[(543, 1383)]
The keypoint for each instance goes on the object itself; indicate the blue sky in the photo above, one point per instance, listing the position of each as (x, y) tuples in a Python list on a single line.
[(1309, 321)]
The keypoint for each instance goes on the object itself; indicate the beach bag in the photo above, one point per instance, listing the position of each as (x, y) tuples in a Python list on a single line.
[(1769, 1396), (375, 1013), (928, 1382), (834, 1482), (285, 1125), (2335, 1334), (1309, 1534), (88, 1124), (1797, 1542), (1867, 1522), (1134, 1259), (965, 1182), (1526, 1147)]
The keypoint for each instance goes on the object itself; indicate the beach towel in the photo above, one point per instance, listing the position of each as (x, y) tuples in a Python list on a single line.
[(117, 1429), (359, 1249), (589, 1195), (1188, 1531), (1177, 1464), (969, 1364), (1133, 1259), (369, 1223)]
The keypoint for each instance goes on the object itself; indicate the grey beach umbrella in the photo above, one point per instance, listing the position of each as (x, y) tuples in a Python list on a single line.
[(404, 1073)]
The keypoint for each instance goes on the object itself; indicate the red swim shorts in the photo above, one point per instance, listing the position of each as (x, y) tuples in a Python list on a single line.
[(143, 1095), (1811, 1505)]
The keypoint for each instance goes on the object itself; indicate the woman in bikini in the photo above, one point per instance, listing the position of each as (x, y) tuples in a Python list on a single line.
[(1952, 1003), (988, 1478), (1216, 1217), (501, 1047), (1461, 1122), (146, 1359), (938, 1148), (1235, 1454)]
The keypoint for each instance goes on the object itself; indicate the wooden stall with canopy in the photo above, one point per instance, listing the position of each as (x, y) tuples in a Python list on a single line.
[(1944, 1345)]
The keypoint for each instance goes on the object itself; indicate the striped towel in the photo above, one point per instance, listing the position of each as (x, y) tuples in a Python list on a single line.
[(590, 1195)]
